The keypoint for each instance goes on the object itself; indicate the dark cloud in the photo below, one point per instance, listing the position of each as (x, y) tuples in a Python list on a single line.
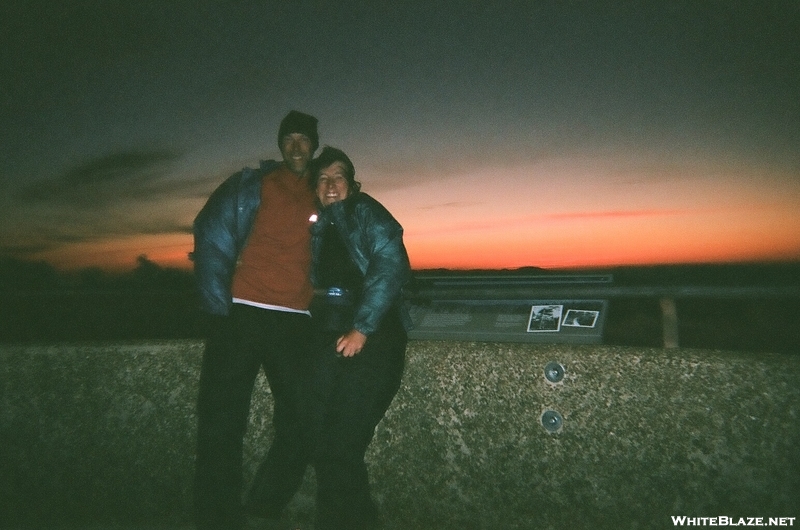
[(123, 194), (96, 227), (540, 219), (160, 227), (64, 228), (118, 177), (453, 204), (23, 250)]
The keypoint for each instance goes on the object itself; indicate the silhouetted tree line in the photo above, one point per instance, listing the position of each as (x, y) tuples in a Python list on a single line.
[(28, 276), (40, 304)]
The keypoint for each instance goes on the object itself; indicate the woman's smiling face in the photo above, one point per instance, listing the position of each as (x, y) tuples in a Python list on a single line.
[(332, 184)]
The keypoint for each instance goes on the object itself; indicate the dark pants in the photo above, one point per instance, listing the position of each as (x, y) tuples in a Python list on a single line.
[(351, 397), (237, 347)]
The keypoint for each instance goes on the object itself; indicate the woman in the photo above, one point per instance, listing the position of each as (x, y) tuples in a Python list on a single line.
[(359, 268)]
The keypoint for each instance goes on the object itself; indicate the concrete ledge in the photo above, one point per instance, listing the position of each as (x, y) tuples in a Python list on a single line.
[(94, 435)]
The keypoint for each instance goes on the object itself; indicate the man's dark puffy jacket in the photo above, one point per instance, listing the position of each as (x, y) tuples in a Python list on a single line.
[(220, 233), (374, 240)]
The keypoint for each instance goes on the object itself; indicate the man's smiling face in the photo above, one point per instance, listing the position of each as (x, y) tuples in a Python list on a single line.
[(296, 150)]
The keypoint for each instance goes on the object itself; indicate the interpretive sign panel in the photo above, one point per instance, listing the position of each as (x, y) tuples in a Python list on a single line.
[(576, 321)]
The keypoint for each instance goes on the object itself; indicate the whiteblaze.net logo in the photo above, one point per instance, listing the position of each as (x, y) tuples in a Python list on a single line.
[(682, 520)]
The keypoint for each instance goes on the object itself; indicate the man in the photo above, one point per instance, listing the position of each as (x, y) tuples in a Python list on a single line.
[(252, 258)]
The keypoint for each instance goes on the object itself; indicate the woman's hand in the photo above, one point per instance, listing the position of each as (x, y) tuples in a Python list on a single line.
[(351, 343)]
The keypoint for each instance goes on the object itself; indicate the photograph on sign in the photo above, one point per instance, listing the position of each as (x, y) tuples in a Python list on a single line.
[(545, 318), (580, 318)]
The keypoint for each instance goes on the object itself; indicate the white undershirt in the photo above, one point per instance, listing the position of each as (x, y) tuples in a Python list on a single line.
[(271, 307)]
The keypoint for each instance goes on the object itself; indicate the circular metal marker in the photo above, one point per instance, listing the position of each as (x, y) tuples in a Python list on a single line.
[(553, 372), (552, 420)]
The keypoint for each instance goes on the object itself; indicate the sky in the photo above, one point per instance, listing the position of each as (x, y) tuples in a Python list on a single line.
[(500, 134)]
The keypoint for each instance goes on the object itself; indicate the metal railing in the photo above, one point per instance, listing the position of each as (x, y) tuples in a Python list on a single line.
[(456, 287)]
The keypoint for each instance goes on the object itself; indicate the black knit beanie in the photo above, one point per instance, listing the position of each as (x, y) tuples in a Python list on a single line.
[(298, 122)]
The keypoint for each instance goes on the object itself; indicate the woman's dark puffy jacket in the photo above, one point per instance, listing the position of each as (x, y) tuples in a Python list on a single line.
[(374, 240)]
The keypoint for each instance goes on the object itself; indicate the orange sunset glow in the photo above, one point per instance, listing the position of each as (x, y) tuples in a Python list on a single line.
[(514, 135), (682, 221)]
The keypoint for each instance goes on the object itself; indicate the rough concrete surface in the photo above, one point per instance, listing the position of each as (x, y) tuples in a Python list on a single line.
[(102, 436)]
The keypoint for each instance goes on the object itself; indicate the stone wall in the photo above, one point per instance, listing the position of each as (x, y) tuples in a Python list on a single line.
[(103, 435)]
